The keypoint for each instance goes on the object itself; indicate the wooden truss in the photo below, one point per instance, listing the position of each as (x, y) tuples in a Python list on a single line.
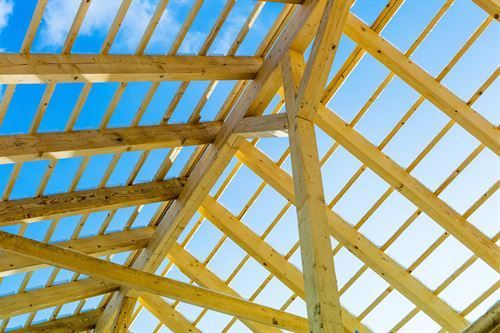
[(277, 69)]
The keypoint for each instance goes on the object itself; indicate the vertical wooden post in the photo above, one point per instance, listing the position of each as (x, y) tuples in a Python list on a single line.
[(124, 318), (322, 297)]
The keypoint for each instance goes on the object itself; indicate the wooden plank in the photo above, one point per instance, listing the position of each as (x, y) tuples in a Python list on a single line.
[(72, 324), (492, 7), (53, 68), (124, 318), (359, 245), (100, 245), (424, 83), (169, 317), (268, 126), (263, 253), (197, 272), (147, 282), (38, 299), (409, 186), (320, 60), (59, 145), (488, 322), (322, 296), (78, 202)]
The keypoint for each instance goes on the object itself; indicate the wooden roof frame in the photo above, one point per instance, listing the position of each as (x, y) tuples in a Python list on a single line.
[(278, 67)]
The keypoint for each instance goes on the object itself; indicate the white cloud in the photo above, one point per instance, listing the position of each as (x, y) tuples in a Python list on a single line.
[(59, 15), (192, 42), (57, 19), (99, 16), (6, 9), (228, 34)]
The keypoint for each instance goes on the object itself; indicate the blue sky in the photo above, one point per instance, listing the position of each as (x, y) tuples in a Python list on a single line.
[(456, 26)]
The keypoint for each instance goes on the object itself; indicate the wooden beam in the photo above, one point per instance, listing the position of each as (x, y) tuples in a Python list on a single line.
[(268, 126), (409, 186), (34, 300), (322, 296), (263, 253), (359, 245), (488, 322), (169, 317), (79, 202), (100, 245), (147, 282), (59, 145), (73, 324), (197, 272), (424, 83), (492, 7), (124, 318), (53, 68), (325, 45)]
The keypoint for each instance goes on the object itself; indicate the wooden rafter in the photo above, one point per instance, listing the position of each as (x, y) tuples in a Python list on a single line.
[(50, 68), (166, 314), (72, 324), (59, 145), (99, 245), (78, 202), (424, 83), (38, 299), (410, 187), (147, 282)]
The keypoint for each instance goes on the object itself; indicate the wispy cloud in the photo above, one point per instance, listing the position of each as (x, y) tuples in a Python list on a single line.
[(192, 42), (6, 9), (56, 22), (228, 34), (59, 16)]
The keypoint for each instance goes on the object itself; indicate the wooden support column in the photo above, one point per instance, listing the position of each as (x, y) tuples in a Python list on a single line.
[(124, 318), (322, 298), (303, 93)]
